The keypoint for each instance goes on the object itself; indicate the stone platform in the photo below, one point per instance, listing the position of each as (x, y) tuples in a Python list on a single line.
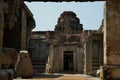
[(60, 76)]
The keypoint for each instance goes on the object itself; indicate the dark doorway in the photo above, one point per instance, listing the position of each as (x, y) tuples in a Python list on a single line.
[(68, 60)]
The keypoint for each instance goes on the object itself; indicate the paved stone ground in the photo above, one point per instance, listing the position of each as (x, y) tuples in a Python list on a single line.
[(56, 76)]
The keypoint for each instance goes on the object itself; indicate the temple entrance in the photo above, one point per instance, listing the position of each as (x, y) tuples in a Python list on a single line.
[(68, 60)]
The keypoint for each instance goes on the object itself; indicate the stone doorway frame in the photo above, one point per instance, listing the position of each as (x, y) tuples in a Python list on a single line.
[(61, 57), (68, 53)]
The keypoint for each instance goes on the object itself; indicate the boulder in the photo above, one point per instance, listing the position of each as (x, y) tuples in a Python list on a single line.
[(23, 66)]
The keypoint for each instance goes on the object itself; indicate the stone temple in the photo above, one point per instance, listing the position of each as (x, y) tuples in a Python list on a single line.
[(65, 48), (69, 48)]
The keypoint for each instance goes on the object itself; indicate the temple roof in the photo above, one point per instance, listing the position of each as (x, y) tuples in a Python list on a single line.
[(68, 23)]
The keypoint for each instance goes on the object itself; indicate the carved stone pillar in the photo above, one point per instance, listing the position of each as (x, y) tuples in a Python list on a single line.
[(112, 40), (23, 31), (1, 24)]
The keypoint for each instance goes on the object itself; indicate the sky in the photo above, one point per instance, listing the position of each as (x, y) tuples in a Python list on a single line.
[(46, 14)]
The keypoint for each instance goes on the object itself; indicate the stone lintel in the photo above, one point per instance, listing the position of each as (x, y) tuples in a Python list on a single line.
[(64, 0)]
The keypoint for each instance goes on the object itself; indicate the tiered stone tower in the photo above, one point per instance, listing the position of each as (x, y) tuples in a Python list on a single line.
[(68, 23)]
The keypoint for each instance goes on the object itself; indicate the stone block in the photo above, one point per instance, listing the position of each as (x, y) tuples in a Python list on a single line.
[(115, 73), (10, 73), (110, 73), (23, 66), (8, 58), (4, 75)]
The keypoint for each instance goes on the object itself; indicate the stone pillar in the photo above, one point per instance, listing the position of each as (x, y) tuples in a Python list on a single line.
[(49, 67), (56, 59), (80, 60), (23, 31), (1, 27), (88, 56), (112, 40), (1, 24)]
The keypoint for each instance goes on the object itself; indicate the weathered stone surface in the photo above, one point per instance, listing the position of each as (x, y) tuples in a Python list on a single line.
[(11, 29), (64, 0), (23, 66), (93, 52), (110, 73), (66, 39), (18, 23), (68, 23), (112, 39), (112, 32), (8, 58), (1, 25), (4, 75), (10, 73), (88, 56), (115, 73), (68, 30)]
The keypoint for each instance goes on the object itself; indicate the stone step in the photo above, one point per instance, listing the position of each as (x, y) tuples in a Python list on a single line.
[(41, 70), (36, 71), (39, 63), (95, 64), (40, 60), (39, 67), (95, 68), (95, 61)]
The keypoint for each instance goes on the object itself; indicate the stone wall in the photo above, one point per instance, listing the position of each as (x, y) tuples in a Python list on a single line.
[(1, 24), (88, 54), (112, 40), (57, 57), (93, 52), (13, 32), (38, 49), (16, 26)]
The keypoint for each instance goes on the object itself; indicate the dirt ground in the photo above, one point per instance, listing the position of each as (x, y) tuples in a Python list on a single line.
[(61, 77)]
